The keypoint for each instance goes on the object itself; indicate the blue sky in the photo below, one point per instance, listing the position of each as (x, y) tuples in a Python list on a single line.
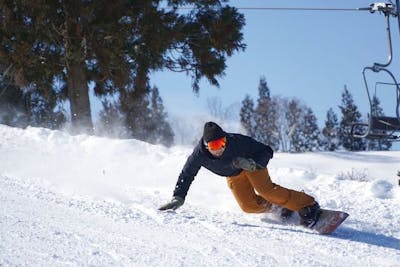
[(309, 55)]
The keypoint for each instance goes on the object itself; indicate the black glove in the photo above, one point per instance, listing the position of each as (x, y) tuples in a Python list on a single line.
[(245, 164), (175, 203)]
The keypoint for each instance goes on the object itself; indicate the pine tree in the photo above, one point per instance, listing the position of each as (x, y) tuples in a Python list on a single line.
[(114, 45), (310, 130), (247, 116), (293, 117), (261, 112), (13, 106), (263, 90), (143, 119), (45, 112), (331, 131), (111, 121), (350, 115), (378, 144), (302, 130), (266, 129), (20, 108), (160, 131)]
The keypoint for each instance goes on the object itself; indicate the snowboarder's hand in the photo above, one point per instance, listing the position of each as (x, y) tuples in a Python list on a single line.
[(245, 164), (175, 203)]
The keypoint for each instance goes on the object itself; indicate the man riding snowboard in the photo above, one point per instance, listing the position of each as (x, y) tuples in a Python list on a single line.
[(243, 161)]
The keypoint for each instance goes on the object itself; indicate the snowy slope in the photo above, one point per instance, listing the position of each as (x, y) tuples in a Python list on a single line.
[(89, 201)]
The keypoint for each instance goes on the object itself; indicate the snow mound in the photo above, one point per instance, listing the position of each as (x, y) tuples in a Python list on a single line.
[(382, 189)]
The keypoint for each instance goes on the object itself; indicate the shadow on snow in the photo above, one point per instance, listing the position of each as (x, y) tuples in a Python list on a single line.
[(343, 233), (367, 238)]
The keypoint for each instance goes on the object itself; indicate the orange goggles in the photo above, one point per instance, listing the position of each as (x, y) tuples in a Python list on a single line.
[(216, 144)]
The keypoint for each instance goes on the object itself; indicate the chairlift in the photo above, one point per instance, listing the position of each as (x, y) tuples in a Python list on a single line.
[(378, 126)]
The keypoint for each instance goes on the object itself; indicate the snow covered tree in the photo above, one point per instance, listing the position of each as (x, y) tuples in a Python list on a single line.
[(310, 131), (265, 117), (331, 131), (247, 116), (261, 111), (302, 130), (282, 104), (273, 124), (350, 115), (283, 124), (293, 117)]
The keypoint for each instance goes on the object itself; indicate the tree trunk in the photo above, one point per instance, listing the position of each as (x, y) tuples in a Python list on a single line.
[(78, 94), (78, 90)]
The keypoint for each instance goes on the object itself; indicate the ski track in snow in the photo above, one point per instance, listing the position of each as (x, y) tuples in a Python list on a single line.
[(89, 201)]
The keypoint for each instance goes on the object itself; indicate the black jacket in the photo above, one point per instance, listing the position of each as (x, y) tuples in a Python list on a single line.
[(237, 145)]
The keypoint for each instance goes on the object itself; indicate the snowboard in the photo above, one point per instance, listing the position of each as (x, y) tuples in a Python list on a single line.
[(327, 223)]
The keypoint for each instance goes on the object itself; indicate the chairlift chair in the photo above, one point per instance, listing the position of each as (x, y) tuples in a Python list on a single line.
[(378, 126)]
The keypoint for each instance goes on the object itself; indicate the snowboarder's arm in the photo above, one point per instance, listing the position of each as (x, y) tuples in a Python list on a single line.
[(189, 171)]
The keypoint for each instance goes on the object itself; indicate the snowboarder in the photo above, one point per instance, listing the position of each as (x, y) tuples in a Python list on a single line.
[(243, 161)]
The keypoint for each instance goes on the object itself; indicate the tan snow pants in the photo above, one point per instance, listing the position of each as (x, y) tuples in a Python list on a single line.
[(255, 192)]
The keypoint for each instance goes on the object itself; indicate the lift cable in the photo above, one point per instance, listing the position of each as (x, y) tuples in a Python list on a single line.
[(303, 9)]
